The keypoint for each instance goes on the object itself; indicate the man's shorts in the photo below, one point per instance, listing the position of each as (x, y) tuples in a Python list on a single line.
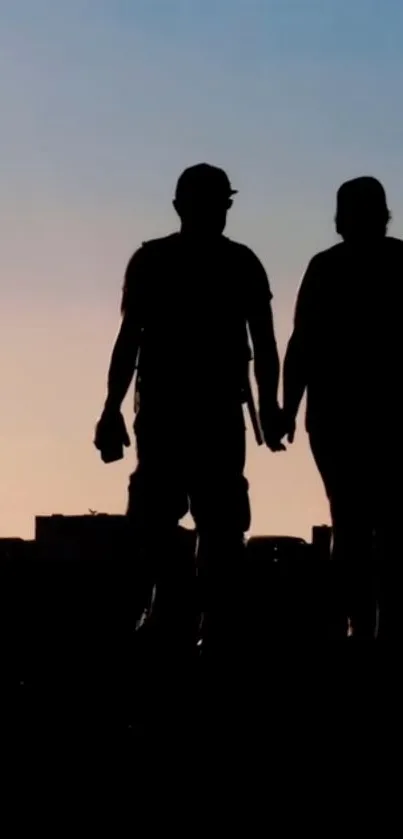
[(191, 463)]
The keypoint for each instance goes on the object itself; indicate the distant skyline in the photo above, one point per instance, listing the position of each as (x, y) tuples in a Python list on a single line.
[(104, 102)]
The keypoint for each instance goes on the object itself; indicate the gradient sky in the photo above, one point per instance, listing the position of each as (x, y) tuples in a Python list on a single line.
[(103, 103)]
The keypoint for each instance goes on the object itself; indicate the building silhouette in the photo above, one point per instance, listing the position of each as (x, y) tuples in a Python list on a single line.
[(17, 549), (322, 541), (86, 537), (277, 548)]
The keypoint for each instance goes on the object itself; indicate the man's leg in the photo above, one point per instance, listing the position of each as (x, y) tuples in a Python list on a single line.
[(389, 556), (176, 611), (353, 552), (158, 500), (220, 506), (156, 504), (347, 483)]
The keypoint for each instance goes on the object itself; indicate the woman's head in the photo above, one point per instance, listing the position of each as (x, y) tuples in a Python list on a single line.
[(362, 211)]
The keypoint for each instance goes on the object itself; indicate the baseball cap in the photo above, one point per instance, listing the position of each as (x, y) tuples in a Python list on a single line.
[(204, 180)]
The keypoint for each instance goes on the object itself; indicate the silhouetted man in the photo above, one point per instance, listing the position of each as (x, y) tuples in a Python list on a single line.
[(345, 351), (189, 300)]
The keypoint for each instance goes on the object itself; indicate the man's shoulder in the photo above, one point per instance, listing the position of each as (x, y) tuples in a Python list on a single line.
[(340, 250), (247, 264), (328, 256), (240, 250), (321, 266), (159, 245), (394, 246), (149, 251), (161, 241)]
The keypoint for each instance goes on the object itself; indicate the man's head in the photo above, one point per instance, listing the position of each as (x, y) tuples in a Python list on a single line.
[(202, 199), (362, 211)]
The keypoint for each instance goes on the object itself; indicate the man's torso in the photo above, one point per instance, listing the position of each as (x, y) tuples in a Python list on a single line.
[(194, 342)]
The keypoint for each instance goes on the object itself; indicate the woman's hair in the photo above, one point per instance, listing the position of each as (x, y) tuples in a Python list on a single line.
[(362, 207)]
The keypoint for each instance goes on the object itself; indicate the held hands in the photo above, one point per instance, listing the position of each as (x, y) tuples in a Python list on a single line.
[(111, 436), (273, 426), (290, 428), (276, 425)]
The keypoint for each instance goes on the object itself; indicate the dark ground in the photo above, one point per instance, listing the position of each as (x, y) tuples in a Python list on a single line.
[(74, 675)]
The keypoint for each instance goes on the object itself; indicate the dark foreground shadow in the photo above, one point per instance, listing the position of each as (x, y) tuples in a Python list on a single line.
[(84, 671)]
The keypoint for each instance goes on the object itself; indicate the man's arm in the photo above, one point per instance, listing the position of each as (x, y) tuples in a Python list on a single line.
[(123, 363), (295, 372), (261, 328), (110, 434), (125, 351), (266, 360)]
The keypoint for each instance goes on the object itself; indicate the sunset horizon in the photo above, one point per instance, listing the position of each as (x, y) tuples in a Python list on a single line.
[(104, 108)]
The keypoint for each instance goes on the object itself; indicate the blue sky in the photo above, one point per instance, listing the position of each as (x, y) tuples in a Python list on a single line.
[(103, 103), (107, 100)]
